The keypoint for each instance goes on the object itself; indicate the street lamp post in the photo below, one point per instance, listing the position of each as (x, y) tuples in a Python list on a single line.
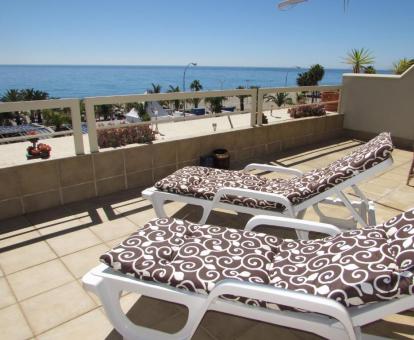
[(185, 70), (287, 73)]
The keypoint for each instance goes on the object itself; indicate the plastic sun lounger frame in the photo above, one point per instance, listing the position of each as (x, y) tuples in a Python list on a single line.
[(325, 316), (362, 210)]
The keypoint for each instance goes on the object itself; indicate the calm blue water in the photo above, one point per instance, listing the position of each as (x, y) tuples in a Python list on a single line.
[(84, 81)]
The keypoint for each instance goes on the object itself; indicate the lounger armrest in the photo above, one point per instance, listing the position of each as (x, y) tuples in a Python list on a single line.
[(248, 193), (286, 297), (291, 223), (272, 168)]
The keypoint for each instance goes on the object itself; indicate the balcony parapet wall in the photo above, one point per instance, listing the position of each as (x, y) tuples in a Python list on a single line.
[(375, 103), (32, 187)]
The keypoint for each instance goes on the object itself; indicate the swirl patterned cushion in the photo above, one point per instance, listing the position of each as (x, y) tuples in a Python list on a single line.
[(354, 267), (203, 182)]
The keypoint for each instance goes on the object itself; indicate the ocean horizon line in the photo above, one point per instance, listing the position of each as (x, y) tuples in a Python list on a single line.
[(79, 81), (176, 66)]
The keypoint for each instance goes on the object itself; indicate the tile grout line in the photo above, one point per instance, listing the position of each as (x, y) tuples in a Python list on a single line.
[(99, 307), (106, 241), (60, 261), (73, 276), (66, 321), (59, 286), (50, 260), (19, 306), (102, 240), (46, 291)]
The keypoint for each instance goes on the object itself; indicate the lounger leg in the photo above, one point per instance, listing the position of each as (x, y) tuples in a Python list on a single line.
[(358, 332), (350, 207), (302, 235), (109, 294), (206, 212), (369, 206), (110, 301), (372, 218), (158, 205)]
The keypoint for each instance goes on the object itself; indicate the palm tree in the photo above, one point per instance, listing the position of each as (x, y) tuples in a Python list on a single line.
[(241, 97), (215, 103), (40, 95), (176, 102), (358, 59), (370, 70), (156, 88), (311, 77), (279, 99), (32, 94), (105, 110), (196, 86), (12, 95), (142, 112), (55, 118), (402, 65)]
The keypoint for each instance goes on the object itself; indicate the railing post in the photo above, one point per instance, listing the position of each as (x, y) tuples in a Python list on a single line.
[(259, 107), (253, 107), (90, 118), (340, 101), (77, 127)]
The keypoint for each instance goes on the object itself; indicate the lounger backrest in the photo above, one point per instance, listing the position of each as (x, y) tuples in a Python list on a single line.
[(311, 183), (366, 156), (354, 267)]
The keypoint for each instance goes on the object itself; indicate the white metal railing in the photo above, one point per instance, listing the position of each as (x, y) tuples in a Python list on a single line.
[(168, 119), (38, 135), (72, 104), (91, 102), (264, 91), (255, 108)]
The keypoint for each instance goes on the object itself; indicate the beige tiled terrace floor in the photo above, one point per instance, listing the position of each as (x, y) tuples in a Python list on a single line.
[(44, 255)]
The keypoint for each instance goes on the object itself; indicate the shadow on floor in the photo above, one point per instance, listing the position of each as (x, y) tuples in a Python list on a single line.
[(87, 211), (168, 317), (82, 214)]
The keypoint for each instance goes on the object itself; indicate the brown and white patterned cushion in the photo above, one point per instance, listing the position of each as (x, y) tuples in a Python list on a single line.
[(400, 233), (193, 257), (353, 268), (203, 182)]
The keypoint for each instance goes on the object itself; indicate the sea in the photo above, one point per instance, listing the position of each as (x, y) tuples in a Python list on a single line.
[(75, 81)]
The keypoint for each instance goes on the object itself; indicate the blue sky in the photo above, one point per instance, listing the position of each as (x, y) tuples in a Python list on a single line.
[(213, 32)]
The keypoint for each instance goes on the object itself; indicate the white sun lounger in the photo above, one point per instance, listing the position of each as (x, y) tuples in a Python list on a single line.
[(154, 262), (246, 193)]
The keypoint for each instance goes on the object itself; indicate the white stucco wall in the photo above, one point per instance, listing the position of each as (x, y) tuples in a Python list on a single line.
[(376, 103)]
